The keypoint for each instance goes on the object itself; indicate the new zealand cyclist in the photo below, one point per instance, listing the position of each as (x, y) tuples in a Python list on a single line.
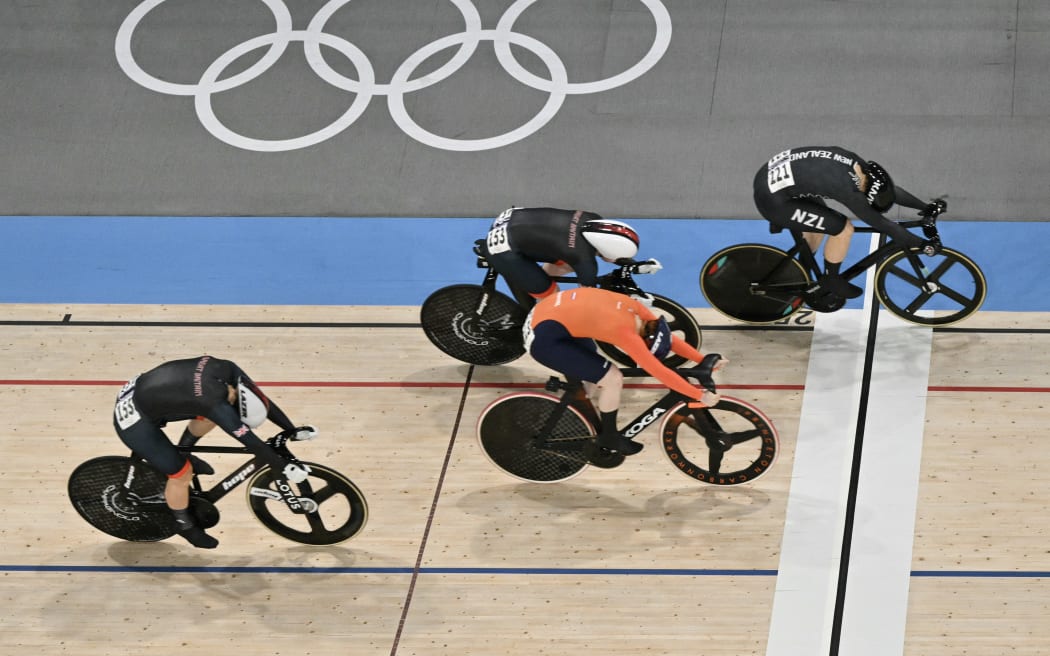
[(561, 334), (209, 392), (790, 192), (564, 241)]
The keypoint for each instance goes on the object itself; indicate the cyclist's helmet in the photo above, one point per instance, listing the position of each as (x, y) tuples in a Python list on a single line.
[(880, 193), (613, 240), (658, 337), (251, 402)]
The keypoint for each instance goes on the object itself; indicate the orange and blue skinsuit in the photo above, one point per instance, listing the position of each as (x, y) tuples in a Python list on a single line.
[(566, 325)]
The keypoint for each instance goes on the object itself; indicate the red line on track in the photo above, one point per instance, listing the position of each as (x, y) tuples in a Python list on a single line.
[(494, 385)]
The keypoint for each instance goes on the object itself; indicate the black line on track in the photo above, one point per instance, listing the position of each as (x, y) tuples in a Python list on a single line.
[(433, 510), (854, 481), (212, 324), (68, 322)]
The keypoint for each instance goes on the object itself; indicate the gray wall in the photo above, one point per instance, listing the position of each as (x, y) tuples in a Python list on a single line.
[(952, 96)]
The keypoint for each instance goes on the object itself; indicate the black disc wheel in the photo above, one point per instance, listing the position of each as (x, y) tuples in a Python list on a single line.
[(682, 322), (954, 289), (474, 324), (122, 497), (753, 283), (509, 432), (332, 508), (728, 444)]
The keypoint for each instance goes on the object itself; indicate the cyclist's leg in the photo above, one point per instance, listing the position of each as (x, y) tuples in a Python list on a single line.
[(149, 441), (194, 431), (553, 346), (525, 277), (813, 218)]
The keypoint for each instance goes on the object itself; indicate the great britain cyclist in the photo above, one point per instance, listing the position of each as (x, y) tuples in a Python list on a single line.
[(791, 190), (209, 392), (562, 332), (529, 246)]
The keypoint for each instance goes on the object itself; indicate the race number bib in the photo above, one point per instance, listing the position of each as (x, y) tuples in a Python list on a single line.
[(780, 175), (125, 411), (497, 240)]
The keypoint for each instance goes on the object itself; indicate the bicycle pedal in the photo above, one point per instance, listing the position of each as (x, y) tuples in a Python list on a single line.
[(603, 458)]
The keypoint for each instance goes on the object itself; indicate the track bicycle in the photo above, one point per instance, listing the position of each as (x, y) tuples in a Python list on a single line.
[(481, 325), (759, 284), (545, 438), (124, 497)]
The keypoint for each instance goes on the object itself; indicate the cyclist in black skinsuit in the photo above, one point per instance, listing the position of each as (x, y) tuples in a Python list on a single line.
[(790, 192), (563, 240), (209, 392)]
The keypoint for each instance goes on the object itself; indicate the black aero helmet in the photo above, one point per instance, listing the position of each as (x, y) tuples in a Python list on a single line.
[(880, 194)]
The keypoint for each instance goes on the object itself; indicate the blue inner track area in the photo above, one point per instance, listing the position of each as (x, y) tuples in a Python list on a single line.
[(395, 261)]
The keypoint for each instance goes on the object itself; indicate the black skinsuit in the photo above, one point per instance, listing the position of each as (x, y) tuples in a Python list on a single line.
[(790, 190), (181, 390)]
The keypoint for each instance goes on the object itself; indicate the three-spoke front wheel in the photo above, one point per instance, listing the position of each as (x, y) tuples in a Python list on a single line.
[(728, 444), (333, 508)]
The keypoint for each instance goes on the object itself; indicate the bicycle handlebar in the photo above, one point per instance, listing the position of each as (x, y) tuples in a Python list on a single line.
[(928, 217), (701, 372)]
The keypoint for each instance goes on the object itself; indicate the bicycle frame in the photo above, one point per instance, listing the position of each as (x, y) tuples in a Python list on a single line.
[(632, 428), (801, 252), (239, 476)]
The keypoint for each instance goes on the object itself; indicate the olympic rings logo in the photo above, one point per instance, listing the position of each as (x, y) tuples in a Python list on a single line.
[(401, 83)]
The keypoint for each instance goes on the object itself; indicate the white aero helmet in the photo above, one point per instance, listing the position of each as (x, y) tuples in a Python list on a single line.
[(614, 240), (252, 403)]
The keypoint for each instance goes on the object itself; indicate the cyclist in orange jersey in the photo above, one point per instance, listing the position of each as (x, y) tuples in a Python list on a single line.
[(561, 333)]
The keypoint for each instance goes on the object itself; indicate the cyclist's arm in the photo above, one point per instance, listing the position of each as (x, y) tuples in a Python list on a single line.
[(586, 269), (634, 346), (897, 232), (683, 348), (226, 417), (907, 199), (277, 416)]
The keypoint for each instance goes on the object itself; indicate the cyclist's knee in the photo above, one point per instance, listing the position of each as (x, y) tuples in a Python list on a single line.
[(184, 476), (200, 426), (552, 289), (613, 379)]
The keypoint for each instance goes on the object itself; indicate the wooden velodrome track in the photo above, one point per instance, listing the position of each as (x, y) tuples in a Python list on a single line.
[(458, 558)]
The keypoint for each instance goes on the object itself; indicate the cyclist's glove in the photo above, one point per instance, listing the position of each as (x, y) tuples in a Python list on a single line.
[(708, 400), (296, 473), (934, 209), (303, 433), (649, 266)]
